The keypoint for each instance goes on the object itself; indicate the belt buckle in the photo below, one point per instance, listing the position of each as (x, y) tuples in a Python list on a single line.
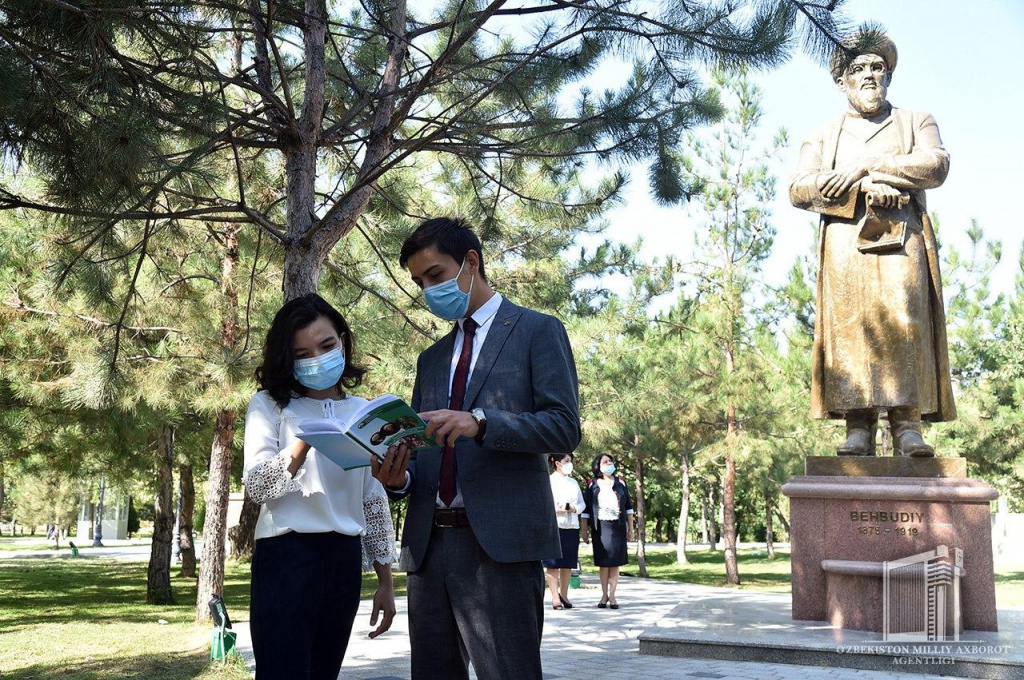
[(446, 518)]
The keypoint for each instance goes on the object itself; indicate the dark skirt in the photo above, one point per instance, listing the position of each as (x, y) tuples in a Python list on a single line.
[(610, 544), (570, 539)]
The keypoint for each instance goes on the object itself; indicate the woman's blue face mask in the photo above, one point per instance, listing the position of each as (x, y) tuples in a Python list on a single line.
[(447, 300), (322, 372)]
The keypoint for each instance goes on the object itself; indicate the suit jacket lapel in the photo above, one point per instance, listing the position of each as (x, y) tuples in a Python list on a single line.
[(504, 321)]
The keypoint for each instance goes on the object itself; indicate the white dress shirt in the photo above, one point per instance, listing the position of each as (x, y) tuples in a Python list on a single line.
[(566, 491), (322, 496)]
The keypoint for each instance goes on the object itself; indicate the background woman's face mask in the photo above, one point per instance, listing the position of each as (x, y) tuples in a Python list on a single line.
[(608, 469), (322, 372), (447, 300)]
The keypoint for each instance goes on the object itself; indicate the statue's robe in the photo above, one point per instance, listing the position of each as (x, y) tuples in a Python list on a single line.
[(880, 327)]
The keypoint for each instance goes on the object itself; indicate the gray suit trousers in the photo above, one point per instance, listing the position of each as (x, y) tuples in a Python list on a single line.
[(465, 607)]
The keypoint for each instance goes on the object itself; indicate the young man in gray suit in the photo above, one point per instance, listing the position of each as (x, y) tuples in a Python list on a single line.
[(500, 392)]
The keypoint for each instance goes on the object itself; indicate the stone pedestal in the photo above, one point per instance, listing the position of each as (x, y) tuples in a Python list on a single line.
[(849, 515)]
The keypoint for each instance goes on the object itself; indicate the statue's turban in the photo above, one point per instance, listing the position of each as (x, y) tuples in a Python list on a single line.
[(865, 41)]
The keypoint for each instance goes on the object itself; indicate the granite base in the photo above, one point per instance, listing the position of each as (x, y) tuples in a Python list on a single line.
[(867, 520)]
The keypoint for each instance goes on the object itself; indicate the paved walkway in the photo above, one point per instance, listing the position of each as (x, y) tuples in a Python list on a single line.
[(586, 643)]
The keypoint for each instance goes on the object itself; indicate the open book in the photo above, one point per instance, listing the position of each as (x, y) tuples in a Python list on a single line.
[(385, 421)]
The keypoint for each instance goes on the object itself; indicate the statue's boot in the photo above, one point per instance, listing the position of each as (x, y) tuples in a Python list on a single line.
[(860, 434), (907, 439)]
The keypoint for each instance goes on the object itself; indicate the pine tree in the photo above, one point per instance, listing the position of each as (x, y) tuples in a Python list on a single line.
[(735, 236)]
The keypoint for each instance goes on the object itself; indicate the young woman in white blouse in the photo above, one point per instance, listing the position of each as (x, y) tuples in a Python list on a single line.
[(320, 526), (568, 506)]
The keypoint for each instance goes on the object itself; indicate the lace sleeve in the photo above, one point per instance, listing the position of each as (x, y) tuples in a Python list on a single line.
[(379, 539), (270, 479)]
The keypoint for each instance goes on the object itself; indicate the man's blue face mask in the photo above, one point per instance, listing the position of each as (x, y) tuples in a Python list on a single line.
[(322, 372), (447, 300)]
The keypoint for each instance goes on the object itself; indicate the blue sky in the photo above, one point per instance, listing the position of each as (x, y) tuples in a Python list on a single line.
[(959, 61)]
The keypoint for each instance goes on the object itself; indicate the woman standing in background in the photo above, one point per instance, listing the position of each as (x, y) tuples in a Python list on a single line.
[(568, 506), (609, 512)]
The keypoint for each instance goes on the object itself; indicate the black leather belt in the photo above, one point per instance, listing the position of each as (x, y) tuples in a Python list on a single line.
[(450, 517)]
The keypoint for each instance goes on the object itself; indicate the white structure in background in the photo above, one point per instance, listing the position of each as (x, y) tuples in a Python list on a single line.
[(115, 517), (1007, 528), (921, 597)]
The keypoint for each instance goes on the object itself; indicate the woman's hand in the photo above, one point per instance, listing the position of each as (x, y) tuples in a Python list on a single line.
[(383, 600), (298, 453), (383, 604), (391, 471)]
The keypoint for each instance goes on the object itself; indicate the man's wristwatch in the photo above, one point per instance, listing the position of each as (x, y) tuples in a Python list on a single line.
[(481, 419)]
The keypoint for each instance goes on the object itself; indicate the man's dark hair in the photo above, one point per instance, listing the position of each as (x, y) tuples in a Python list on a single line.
[(450, 236), (276, 374)]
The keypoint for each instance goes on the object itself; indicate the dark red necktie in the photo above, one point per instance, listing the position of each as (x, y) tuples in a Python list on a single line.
[(446, 485)]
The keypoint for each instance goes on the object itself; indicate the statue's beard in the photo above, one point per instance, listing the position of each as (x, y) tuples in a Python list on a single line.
[(869, 100)]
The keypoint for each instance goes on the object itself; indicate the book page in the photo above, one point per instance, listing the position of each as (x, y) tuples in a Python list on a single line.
[(387, 421)]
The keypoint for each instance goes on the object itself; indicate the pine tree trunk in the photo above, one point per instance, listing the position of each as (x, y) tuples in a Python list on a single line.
[(243, 536), (222, 451), (3, 496), (211, 564), (97, 531), (782, 519), (704, 538), (399, 516), (713, 508), (158, 577), (306, 252), (732, 574), (641, 517), (186, 521), (684, 510), (769, 536)]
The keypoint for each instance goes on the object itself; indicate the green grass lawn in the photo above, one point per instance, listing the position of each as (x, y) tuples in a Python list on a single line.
[(39, 542), (707, 568), (86, 619), (26, 543)]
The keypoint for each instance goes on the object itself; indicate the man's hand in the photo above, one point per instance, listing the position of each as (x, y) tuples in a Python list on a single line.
[(391, 471), (383, 603), (445, 426), (883, 195), (837, 182)]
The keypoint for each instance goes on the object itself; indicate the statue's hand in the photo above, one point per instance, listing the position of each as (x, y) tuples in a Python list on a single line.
[(837, 182), (883, 195)]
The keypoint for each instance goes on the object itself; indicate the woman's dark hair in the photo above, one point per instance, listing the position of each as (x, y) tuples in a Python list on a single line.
[(450, 236), (558, 458), (595, 467), (276, 374)]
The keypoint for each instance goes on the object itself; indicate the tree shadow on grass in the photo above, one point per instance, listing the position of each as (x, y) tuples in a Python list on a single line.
[(166, 666), (66, 591)]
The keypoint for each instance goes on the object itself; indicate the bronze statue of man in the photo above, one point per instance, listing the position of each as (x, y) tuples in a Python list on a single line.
[(880, 328)]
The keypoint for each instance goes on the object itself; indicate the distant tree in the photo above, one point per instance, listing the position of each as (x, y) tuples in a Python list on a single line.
[(133, 518), (735, 235)]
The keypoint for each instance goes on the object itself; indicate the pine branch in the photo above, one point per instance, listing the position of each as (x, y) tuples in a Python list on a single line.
[(19, 306)]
